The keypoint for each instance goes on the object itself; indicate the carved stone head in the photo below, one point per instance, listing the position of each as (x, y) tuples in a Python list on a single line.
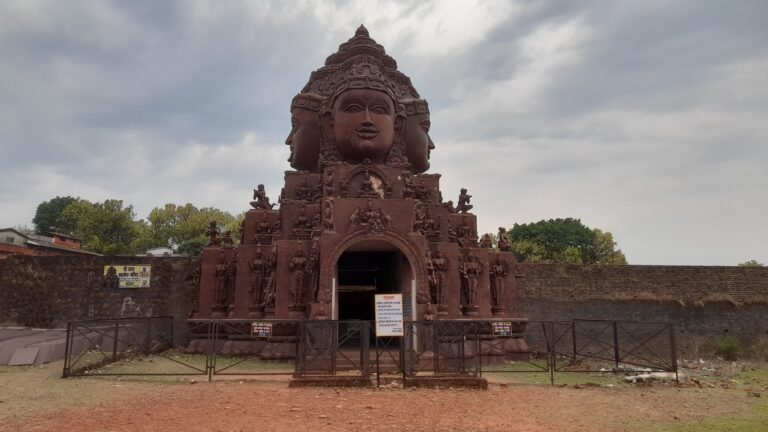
[(418, 143), (305, 137), (363, 114)]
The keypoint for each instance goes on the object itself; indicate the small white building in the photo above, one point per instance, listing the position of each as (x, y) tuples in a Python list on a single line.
[(159, 251)]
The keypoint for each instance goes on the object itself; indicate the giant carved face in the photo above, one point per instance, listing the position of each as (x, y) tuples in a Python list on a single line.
[(304, 139), (364, 124), (417, 141)]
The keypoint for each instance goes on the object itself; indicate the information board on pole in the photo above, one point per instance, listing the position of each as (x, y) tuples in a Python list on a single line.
[(389, 315)]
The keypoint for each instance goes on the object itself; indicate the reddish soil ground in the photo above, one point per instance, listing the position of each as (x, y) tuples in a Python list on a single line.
[(272, 406)]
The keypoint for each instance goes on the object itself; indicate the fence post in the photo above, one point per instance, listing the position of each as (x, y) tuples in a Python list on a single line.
[(573, 336), (173, 324), (67, 351), (673, 347), (365, 352), (114, 340), (376, 344), (214, 328), (402, 348), (148, 336), (616, 345), (551, 348), (479, 361), (298, 364)]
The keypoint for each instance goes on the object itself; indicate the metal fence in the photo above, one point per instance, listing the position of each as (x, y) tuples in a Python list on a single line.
[(306, 348)]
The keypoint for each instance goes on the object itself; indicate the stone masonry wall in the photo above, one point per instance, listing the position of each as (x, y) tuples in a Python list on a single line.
[(704, 302), (49, 291)]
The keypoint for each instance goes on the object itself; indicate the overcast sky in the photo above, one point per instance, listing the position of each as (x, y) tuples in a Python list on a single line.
[(646, 119)]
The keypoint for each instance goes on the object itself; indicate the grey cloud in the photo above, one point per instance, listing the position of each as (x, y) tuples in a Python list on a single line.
[(653, 133)]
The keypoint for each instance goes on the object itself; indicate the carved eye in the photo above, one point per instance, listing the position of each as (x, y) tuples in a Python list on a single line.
[(379, 109), (425, 125), (353, 108), (295, 124)]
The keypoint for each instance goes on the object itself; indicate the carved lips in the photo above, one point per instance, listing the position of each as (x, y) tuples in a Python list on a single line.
[(367, 132)]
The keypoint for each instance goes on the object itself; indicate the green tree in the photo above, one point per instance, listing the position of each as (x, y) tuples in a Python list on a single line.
[(564, 240), (751, 263), (108, 228), (183, 227), (48, 215)]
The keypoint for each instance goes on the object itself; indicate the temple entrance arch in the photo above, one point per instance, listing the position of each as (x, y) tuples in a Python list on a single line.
[(367, 268)]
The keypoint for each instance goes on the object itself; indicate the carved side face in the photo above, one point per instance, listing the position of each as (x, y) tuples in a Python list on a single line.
[(304, 139), (364, 124), (417, 141)]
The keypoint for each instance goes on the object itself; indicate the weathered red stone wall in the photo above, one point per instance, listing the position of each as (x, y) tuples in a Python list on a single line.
[(705, 302), (49, 291)]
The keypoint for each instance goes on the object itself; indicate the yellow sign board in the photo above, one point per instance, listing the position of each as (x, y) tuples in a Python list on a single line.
[(129, 276)]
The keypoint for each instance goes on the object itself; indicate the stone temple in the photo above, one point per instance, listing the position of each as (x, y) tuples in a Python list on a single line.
[(358, 215)]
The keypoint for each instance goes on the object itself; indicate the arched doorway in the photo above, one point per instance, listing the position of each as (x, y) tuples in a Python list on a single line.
[(367, 268)]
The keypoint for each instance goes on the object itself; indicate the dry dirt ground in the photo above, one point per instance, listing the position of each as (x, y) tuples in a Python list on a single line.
[(36, 399)]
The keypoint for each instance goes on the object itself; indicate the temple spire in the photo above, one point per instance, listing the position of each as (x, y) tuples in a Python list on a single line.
[(362, 31)]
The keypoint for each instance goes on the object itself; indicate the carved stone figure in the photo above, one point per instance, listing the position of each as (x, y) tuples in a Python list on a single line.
[(451, 232), (313, 270), (371, 187), (303, 191), (302, 226), (439, 268), (260, 199), (486, 241), (221, 294), (414, 189), (298, 267), (258, 266), (270, 279), (328, 182), (504, 244), (213, 234), (470, 270), (497, 273), (328, 223), (464, 206), (374, 219)]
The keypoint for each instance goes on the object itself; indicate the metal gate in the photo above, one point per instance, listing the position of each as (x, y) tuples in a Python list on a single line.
[(330, 347)]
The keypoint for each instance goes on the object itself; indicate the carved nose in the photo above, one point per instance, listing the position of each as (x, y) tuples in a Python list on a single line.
[(289, 139), (367, 120)]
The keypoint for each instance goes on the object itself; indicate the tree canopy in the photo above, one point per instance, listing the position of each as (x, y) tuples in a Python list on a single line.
[(751, 263), (564, 240), (48, 215), (111, 227), (183, 228), (108, 228)]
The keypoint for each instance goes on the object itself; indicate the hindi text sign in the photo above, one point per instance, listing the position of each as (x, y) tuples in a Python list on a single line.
[(389, 315)]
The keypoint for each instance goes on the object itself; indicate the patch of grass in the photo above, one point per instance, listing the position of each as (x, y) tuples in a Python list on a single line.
[(753, 419), (727, 347), (522, 372), (30, 390)]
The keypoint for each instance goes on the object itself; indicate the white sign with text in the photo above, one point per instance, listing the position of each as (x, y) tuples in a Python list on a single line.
[(389, 315)]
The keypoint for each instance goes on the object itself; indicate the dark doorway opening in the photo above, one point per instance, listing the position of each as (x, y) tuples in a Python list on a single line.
[(362, 275)]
